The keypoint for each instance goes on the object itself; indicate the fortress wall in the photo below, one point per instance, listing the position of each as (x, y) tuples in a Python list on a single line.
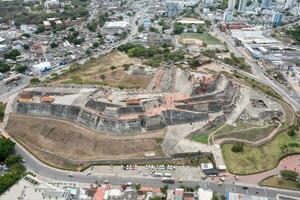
[(97, 105), (48, 110), (88, 119), (180, 117), (149, 105), (110, 125), (130, 110), (214, 107), (197, 107), (154, 122)]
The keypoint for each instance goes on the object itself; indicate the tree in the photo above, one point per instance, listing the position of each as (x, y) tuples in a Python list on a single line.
[(126, 67), (12, 159), (41, 28), (164, 189), (238, 147), (53, 45), (152, 29), (292, 132), (4, 67), (35, 80), (20, 68), (92, 26), (26, 35), (96, 44), (88, 52), (200, 29), (223, 197), (215, 196), (141, 28), (178, 28), (103, 77), (113, 67), (26, 47), (12, 54), (7, 147), (193, 63)]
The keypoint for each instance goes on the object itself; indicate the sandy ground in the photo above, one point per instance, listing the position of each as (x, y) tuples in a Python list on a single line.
[(92, 73), (77, 142), (213, 67)]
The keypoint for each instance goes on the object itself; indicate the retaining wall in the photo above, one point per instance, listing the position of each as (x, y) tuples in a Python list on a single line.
[(154, 122), (181, 117), (110, 125), (48, 110)]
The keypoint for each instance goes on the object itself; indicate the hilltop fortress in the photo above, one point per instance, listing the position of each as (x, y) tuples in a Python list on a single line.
[(175, 97), (127, 111)]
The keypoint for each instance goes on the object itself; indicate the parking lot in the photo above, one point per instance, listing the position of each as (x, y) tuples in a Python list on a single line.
[(148, 171)]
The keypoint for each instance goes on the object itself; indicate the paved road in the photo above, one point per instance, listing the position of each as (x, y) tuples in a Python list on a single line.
[(51, 173)]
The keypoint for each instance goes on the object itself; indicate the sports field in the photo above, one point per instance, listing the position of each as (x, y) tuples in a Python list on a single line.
[(206, 38)]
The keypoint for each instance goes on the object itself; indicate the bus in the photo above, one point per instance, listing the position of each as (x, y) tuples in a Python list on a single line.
[(12, 78), (168, 180)]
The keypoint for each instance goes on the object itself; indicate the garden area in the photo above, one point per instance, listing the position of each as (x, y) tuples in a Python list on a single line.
[(2, 111), (249, 160), (286, 180), (15, 169)]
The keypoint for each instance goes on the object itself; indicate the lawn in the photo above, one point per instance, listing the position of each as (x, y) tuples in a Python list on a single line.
[(233, 128), (208, 39), (258, 159), (251, 134), (277, 182), (201, 138)]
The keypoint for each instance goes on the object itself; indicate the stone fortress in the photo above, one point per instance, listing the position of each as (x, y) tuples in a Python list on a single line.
[(174, 96)]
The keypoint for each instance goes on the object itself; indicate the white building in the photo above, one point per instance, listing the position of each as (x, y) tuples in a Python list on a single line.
[(52, 4), (115, 26), (30, 29), (231, 5), (242, 5), (203, 194), (228, 16), (288, 4), (41, 67)]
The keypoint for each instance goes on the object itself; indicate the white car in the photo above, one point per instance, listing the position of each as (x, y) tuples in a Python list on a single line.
[(88, 173), (70, 175)]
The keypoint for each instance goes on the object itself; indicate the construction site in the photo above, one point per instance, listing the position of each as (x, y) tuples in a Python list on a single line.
[(110, 123)]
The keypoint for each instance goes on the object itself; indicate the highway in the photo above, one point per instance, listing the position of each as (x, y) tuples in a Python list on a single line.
[(258, 74)]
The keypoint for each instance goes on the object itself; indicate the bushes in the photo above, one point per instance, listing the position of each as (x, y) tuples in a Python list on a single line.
[(288, 174), (7, 148)]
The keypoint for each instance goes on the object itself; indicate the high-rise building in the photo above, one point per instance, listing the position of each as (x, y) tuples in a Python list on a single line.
[(288, 3), (172, 9), (276, 19), (265, 4), (228, 16), (242, 5), (231, 5)]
